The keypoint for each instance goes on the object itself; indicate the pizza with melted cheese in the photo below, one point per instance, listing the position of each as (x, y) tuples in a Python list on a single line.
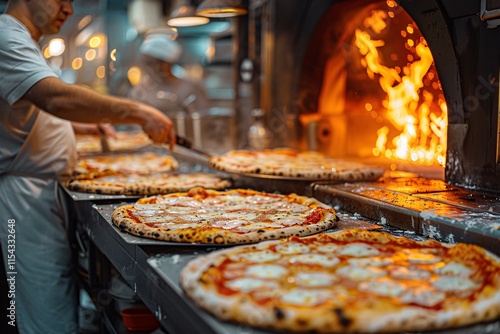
[(146, 185), (290, 163), (235, 216), (352, 281)]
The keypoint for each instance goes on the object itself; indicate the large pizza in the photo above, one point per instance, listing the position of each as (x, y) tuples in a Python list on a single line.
[(236, 216), (285, 162), (353, 281)]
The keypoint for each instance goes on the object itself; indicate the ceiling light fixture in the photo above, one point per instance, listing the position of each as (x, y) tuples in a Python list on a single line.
[(185, 16), (221, 8)]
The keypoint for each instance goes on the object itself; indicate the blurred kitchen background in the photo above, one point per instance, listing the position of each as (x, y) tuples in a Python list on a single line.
[(99, 47)]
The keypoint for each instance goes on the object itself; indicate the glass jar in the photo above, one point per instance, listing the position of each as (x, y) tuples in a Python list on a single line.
[(259, 136)]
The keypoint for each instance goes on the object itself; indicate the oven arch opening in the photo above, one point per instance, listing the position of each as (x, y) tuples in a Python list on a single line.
[(466, 56), (376, 91)]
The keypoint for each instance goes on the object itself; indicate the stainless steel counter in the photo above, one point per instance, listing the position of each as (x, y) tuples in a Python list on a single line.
[(152, 269)]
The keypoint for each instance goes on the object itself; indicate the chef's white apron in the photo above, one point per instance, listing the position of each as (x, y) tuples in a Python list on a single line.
[(33, 220)]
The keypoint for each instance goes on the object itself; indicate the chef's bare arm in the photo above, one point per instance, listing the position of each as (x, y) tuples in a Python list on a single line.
[(81, 104)]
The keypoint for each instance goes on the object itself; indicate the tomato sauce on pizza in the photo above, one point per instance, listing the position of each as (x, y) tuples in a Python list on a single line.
[(224, 217), (353, 281), (290, 163)]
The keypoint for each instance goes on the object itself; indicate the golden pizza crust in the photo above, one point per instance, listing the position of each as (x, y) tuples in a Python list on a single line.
[(146, 185), (211, 224), (232, 292), (294, 164)]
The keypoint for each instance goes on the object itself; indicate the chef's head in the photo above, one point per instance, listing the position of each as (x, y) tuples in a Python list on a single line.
[(161, 47)]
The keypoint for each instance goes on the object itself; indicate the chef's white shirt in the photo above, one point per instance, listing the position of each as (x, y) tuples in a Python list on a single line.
[(51, 148)]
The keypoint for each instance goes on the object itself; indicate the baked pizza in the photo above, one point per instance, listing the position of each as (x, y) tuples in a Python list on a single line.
[(353, 281), (124, 141), (146, 185), (144, 163), (291, 163), (234, 216)]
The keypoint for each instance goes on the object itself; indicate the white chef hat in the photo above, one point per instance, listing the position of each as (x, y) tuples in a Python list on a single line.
[(161, 47)]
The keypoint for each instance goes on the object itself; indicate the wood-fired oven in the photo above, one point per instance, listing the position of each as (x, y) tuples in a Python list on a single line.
[(365, 76), (409, 84)]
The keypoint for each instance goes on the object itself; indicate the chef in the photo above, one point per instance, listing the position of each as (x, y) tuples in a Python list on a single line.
[(160, 87), (37, 147)]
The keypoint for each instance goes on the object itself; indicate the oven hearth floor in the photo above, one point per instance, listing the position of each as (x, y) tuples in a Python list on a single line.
[(425, 206)]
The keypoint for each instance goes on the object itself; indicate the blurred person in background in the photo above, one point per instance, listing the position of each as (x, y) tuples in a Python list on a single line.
[(159, 86), (38, 147)]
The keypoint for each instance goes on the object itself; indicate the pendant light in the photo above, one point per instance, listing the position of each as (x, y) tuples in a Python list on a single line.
[(221, 8), (185, 16)]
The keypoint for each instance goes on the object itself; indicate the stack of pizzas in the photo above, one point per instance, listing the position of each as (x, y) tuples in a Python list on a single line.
[(139, 174), (289, 270)]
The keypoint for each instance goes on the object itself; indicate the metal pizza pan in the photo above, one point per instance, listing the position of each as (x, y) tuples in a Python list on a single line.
[(299, 185), (272, 184), (278, 184), (78, 196)]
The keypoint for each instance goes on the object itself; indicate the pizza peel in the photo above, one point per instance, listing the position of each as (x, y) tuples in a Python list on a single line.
[(186, 143), (104, 140), (184, 150)]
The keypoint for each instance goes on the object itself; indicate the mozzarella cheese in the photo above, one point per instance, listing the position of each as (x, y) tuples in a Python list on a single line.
[(327, 248), (315, 279), (175, 226), (359, 273), (315, 259), (386, 288), (454, 284), (247, 284), (423, 296), (149, 207), (415, 273), (375, 262), (269, 271), (256, 226), (258, 257), (303, 297), (358, 249), (292, 248), (453, 269), (231, 212)]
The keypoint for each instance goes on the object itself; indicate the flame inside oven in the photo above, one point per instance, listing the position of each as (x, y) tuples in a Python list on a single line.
[(380, 93)]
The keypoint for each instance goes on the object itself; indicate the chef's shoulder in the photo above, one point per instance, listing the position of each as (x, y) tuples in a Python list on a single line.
[(11, 30)]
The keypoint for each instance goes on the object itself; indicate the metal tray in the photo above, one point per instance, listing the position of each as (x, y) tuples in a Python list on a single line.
[(272, 184), (282, 184), (98, 198)]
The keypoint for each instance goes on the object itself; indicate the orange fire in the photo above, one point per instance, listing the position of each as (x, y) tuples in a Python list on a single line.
[(412, 108)]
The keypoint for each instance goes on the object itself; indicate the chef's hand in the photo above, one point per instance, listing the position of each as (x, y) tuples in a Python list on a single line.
[(107, 129), (94, 129), (158, 126)]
